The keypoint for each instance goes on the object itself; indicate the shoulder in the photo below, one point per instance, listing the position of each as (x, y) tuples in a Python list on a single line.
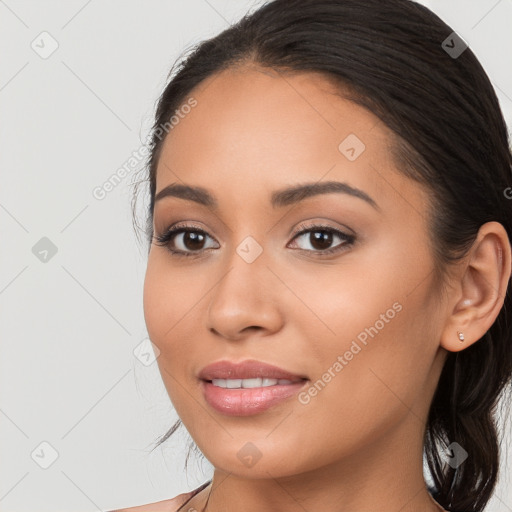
[(170, 505)]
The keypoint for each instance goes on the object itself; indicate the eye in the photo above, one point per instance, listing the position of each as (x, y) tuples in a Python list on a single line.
[(320, 239), (185, 240)]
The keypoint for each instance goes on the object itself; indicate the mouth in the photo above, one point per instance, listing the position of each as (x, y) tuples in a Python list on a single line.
[(248, 387), (247, 397)]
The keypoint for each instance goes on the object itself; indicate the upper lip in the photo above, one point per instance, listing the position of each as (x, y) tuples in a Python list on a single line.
[(247, 369)]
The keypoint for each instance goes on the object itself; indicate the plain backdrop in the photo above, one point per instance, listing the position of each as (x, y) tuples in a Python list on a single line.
[(79, 410)]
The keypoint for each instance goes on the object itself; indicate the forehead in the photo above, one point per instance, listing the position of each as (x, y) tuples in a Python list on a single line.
[(255, 128), (274, 109)]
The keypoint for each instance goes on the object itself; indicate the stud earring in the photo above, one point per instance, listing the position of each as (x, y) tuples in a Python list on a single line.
[(461, 336)]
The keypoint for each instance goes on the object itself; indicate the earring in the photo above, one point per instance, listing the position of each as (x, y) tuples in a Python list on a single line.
[(461, 336)]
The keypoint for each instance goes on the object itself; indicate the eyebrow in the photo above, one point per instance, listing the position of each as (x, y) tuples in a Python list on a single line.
[(279, 198)]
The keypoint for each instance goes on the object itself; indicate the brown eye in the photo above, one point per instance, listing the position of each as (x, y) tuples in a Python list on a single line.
[(185, 241), (193, 240), (320, 239)]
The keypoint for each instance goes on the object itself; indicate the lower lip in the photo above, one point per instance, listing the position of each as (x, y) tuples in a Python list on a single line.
[(248, 401)]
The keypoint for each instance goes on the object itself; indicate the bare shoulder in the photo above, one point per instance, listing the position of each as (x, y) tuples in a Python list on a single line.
[(170, 505)]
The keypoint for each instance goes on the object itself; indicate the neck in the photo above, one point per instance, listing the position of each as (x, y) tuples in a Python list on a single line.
[(387, 475)]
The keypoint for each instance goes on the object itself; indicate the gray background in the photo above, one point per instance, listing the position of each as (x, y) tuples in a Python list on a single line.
[(69, 325)]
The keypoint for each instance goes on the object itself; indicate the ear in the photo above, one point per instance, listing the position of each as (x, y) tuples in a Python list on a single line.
[(480, 289)]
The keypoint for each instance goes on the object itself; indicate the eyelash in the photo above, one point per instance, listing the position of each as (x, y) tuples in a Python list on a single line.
[(165, 238)]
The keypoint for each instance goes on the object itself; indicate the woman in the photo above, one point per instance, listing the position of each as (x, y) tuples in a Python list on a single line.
[(328, 280)]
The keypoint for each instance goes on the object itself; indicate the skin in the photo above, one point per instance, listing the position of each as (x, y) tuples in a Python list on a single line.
[(357, 444)]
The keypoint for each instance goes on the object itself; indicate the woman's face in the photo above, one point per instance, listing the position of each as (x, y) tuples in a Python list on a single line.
[(334, 285)]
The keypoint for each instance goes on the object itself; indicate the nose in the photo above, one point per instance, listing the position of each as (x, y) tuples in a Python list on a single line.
[(245, 300)]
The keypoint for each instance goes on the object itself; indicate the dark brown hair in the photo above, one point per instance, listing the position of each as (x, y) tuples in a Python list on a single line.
[(450, 136)]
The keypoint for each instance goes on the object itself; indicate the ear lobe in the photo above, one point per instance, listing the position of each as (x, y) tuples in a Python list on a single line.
[(481, 290)]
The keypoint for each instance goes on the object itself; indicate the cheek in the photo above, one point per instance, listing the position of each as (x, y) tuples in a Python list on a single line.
[(371, 335), (158, 303), (175, 302), (357, 393), (166, 301), (170, 294)]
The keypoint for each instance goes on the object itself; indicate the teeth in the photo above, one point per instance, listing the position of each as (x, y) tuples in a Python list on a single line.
[(249, 383)]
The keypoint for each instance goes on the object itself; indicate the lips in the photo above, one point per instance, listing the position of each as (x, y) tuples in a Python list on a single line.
[(248, 369), (246, 402)]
